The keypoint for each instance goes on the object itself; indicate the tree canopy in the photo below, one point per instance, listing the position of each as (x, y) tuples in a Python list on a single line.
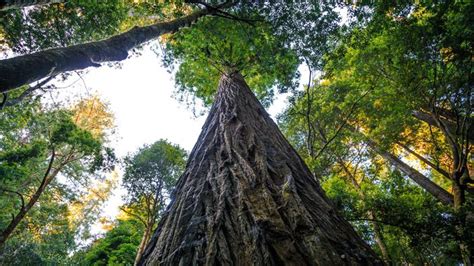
[(379, 108)]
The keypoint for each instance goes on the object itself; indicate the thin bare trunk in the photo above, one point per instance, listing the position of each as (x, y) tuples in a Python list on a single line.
[(379, 239), (378, 235), (424, 160), (247, 198), (438, 192), (459, 199), (145, 239)]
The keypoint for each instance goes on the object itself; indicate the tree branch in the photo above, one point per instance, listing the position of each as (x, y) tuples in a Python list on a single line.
[(351, 110), (25, 93), (17, 193), (133, 214), (223, 14), (423, 159)]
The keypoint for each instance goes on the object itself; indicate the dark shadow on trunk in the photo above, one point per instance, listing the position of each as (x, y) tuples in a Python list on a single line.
[(247, 198)]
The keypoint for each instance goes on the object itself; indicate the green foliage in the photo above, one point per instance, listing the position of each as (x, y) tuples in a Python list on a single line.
[(117, 247), (45, 238), (61, 25), (404, 58), (150, 176), (153, 168), (310, 29), (214, 46), (408, 62), (31, 133), (416, 228)]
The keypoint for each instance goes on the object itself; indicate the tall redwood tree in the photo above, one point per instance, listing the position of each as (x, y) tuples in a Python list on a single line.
[(247, 198)]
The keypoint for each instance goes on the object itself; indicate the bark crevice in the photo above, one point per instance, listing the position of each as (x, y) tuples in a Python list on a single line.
[(247, 198)]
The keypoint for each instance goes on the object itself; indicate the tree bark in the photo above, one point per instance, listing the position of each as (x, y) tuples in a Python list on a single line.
[(247, 198), (21, 70), (438, 192), (14, 4)]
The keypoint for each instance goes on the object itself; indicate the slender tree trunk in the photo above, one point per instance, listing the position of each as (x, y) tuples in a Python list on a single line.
[(144, 242), (247, 198), (424, 160), (48, 177), (13, 4), (438, 192), (378, 235), (459, 194), (21, 70), (379, 239), (462, 215)]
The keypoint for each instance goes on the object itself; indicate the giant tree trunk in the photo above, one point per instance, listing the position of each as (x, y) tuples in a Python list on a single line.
[(11, 4), (247, 198), (22, 70)]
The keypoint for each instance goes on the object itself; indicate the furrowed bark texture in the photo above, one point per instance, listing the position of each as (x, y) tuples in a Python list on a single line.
[(21, 70), (13, 4), (247, 198)]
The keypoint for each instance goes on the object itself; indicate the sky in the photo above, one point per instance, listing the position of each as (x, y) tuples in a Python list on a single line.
[(140, 95)]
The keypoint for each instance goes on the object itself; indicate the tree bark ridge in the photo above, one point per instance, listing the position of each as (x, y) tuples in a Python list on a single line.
[(247, 198)]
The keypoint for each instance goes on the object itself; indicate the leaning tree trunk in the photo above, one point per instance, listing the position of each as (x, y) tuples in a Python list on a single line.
[(12, 4), (247, 198), (22, 70)]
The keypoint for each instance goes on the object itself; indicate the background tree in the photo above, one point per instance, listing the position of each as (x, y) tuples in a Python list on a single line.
[(391, 85), (117, 247), (150, 176), (42, 148)]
